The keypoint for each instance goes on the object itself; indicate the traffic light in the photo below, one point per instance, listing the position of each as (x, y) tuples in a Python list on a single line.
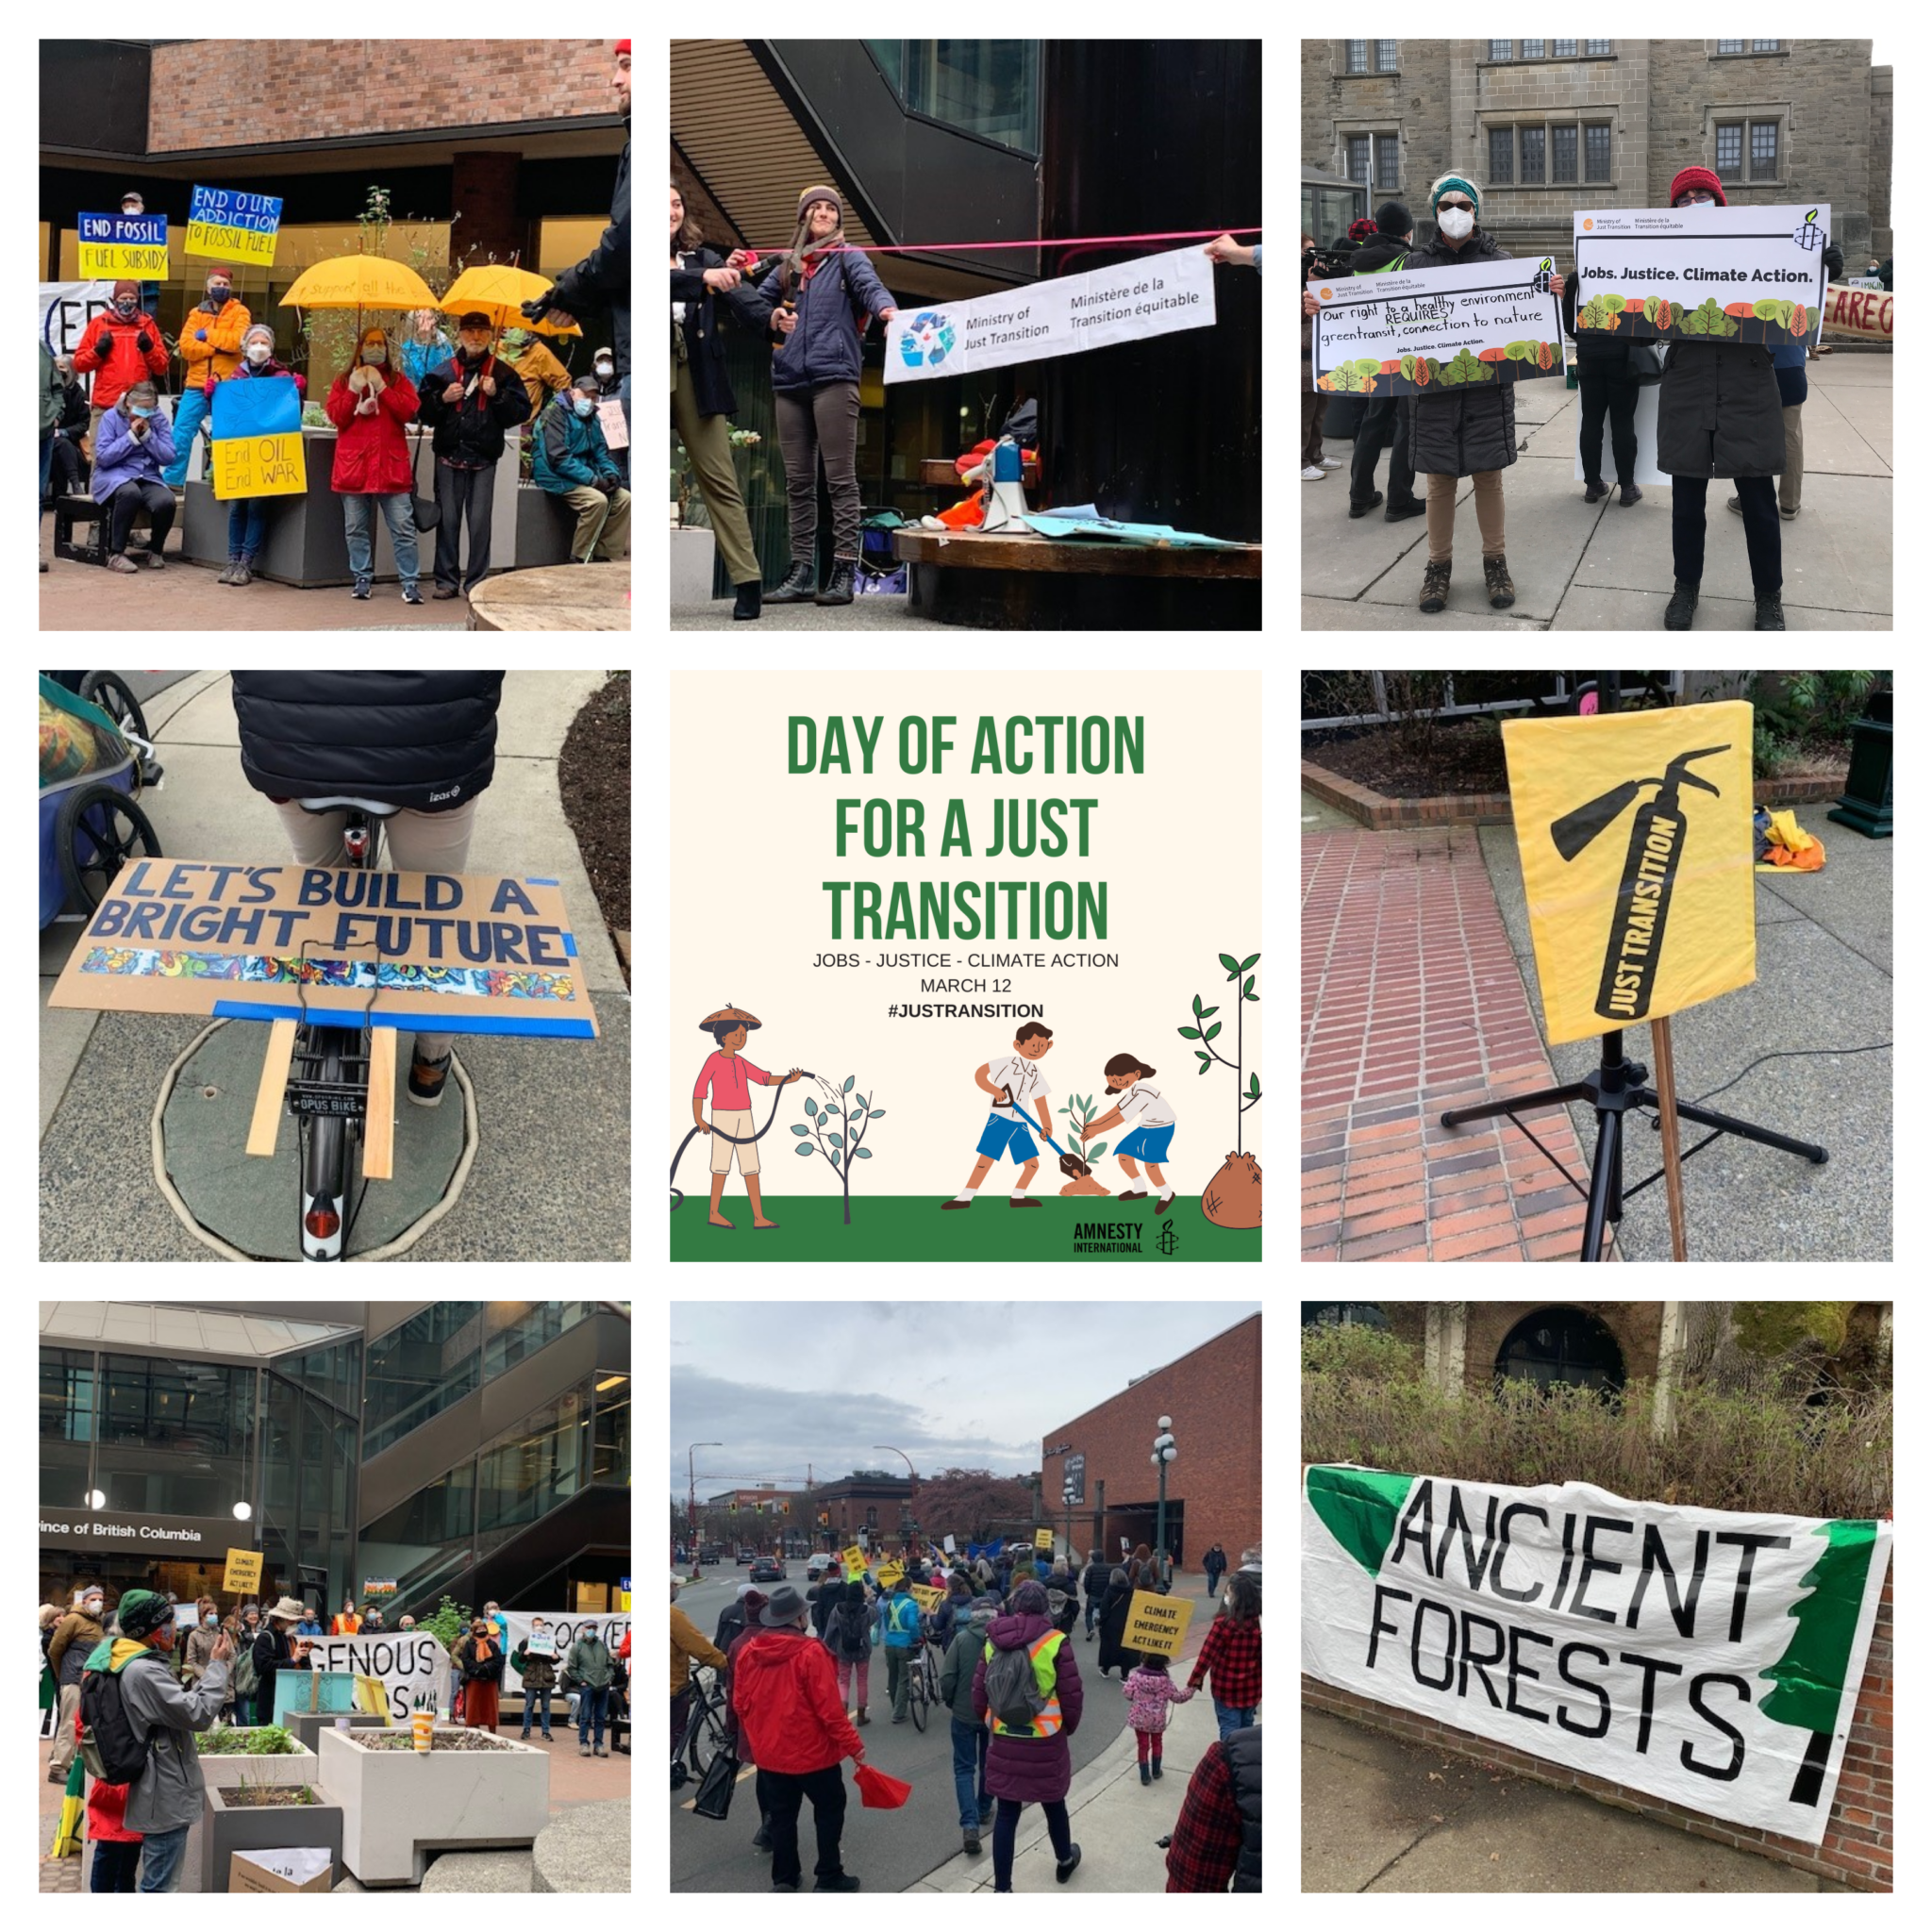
[(785, 1509)]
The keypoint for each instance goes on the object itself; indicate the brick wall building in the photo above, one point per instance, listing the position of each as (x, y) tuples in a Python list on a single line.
[(1544, 127), (1213, 1394)]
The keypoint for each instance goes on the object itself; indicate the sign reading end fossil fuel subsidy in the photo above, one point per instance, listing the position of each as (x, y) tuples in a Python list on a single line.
[(1709, 1657), (1635, 836), (1740, 275), (117, 245), (1414, 331)]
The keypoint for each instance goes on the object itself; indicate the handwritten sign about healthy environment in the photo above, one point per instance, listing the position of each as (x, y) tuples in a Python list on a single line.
[(1417, 331), (1740, 275), (1152, 296), (1710, 1657), (124, 245), (1158, 1623), (1634, 833), (275, 941), (229, 225)]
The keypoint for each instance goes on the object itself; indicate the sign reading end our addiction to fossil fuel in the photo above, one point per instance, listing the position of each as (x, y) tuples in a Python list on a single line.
[(1402, 332), (1710, 1657), (1740, 274), (1635, 836)]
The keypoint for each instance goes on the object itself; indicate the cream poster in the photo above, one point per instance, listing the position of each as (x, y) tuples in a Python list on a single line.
[(966, 966)]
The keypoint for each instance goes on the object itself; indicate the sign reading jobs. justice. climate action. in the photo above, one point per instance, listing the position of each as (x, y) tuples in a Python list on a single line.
[(226, 224), (272, 941), (1415, 331), (1150, 297), (1635, 836), (1706, 1657), (1740, 275), (117, 245)]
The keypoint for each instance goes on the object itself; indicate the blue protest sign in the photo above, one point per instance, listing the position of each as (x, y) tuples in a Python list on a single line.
[(232, 226), (255, 405)]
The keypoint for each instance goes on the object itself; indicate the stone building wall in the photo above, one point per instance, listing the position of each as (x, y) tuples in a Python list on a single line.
[(1881, 160), (1412, 104)]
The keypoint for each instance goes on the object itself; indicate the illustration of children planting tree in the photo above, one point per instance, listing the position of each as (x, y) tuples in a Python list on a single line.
[(1153, 1120), (1233, 1197)]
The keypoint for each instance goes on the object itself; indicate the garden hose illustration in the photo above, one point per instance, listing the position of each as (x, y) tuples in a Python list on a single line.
[(735, 1139), (1650, 868)]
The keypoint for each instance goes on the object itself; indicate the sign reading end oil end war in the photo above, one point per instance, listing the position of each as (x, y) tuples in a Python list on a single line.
[(1635, 836)]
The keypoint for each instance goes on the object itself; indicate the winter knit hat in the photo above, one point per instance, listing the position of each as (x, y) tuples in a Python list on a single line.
[(1029, 1600), (812, 194), (142, 1612), (1362, 230), (261, 329), (132, 287), (1439, 188), (1391, 218), (1698, 178)]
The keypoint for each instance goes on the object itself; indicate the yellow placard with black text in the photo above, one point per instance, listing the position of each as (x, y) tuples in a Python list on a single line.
[(1042, 1538), (243, 1571), (1635, 836), (853, 1555), (889, 1573), (1158, 1623), (260, 466), (927, 1600)]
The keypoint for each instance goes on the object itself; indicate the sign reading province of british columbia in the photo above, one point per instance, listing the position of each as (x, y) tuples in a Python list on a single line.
[(1414, 331), (1709, 1657)]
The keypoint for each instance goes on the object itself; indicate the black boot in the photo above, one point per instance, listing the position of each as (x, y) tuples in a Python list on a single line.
[(1677, 613), (838, 589), (750, 593), (1771, 611), (800, 582)]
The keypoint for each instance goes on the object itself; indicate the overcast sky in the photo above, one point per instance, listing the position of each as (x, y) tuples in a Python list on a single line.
[(783, 1383)]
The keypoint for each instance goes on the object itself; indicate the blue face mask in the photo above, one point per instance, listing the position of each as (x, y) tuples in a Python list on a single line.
[(142, 413), (583, 405)]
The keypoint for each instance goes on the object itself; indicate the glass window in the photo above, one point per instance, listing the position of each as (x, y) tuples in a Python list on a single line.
[(611, 1438), (1387, 159), (1359, 157), (1561, 1345), (1731, 46), (1562, 154), (332, 1372), (176, 1435), (1501, 142), (891, 57), (1764, 150), (1499, 50), (1532, 50), (1385, 57), (423, 1543), (1596, 153), (520, 1335), (1765, 46), (419, 1369), (1533, 154), (530, 1469), (1730, 149), (67, 1426), (1358, 56), (989, 88), (1596, 46), (1563, 50)]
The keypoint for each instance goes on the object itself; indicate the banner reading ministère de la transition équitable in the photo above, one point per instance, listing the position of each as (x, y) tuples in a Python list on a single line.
[(1709, 1657)]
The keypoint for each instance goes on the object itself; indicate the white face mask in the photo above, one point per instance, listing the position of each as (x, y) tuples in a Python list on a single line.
[(607, 368), (257, 352), (1455, 222), (376, 354)]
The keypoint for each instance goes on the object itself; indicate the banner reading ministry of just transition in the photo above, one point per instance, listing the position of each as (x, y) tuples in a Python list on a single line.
[(965, 966)]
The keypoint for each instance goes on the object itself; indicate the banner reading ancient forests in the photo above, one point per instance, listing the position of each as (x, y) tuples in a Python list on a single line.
[(1153, 297), (289, 942), (1740, 274), (229, 225), (1709, 1657), (1414, 331), (1635, 836)]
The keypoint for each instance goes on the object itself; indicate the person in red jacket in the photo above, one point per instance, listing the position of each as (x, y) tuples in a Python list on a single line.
[(785, 1695), (369, 403), (124, 346)]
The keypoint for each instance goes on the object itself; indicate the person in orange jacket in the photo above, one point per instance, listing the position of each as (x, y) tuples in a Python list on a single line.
[(210, 345), (124, 346)]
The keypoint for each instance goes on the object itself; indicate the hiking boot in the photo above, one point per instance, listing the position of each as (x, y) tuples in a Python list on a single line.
[(1771, 611), (1396, 512), (1678, 612), (1146, 1774), (427, 1079), (1595, 491), (1063, 1868), (1435, 586), (839, 584), (800, 583), (1628, 495), (1361, 509), (1496, 577), (1157, 1764)]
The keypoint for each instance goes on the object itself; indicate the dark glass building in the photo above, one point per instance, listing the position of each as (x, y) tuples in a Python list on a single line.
[(477, 1449)]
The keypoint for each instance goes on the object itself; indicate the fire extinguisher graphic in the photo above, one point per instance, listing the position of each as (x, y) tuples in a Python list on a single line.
[(1650, 869)]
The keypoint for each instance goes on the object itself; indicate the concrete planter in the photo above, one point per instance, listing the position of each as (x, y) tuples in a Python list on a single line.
[(225, 1771), (691, 552), (400, 1806), (227, 1830), (308, 1726)]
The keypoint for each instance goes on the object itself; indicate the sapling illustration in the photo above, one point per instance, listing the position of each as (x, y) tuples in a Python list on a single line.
[(840, 1149), (1079, 1113), (1244, 993)]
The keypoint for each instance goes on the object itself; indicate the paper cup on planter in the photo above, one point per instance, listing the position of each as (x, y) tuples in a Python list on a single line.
[(422, 1722)]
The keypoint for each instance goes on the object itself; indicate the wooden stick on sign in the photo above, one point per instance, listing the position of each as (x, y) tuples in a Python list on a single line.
[(1667, 1118)]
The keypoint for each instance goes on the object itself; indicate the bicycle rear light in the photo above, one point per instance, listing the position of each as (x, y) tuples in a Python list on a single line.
[(321, 1223)]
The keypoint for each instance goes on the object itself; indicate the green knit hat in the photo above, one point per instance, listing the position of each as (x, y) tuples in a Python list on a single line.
[(142, 1612), (1439, 188)]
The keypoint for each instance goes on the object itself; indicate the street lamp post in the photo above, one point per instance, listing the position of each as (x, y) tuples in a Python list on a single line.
[(912, 1477), (691, 1501), (1164, 1453), (1069, 1495)]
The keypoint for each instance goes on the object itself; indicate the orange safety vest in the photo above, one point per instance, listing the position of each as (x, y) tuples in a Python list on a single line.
[(1050, 1718)]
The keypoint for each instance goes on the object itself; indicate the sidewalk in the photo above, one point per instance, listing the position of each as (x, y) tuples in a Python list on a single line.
[(1602, 567), (887, 612)]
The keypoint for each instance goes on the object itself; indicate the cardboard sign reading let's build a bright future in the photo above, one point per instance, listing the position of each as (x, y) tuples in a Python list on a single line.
[(276, 942), (1635, 836), (1709, 1657)]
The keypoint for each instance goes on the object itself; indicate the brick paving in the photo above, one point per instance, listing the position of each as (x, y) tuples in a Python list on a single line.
[(1412, 1004)]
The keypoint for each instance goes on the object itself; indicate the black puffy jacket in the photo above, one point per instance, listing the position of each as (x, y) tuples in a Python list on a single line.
[(424, 740), (1460, 432)]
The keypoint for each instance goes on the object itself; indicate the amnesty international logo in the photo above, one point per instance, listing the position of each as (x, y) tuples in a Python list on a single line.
[(928, 339)]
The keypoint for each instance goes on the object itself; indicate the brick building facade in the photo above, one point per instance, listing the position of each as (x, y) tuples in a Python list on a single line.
[(1544, 127), (1213, 1394)]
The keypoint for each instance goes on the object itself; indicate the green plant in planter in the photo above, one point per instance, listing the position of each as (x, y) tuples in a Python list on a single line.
[(231, 1740), (447, 1621)]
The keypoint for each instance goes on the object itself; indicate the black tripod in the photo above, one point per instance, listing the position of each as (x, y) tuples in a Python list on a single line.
[(1616, 1086)]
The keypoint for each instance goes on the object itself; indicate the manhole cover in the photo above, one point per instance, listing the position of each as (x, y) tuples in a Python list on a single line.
[(250, 1205)]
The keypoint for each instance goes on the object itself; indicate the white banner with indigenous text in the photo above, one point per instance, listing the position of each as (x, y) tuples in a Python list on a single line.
[(1710, 1657)]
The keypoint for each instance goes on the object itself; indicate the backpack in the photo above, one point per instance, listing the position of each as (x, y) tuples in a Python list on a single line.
[(109, 1745), (854, 1632), (1013, 1691), (246, 1681)]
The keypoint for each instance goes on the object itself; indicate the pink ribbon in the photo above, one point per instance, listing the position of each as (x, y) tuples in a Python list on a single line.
[(1043, 241)]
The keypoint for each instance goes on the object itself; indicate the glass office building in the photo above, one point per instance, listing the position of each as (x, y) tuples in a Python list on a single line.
[(477, 1449)]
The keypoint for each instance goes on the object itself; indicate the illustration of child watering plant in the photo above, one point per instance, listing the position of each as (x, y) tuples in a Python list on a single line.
[(1153, 1124)]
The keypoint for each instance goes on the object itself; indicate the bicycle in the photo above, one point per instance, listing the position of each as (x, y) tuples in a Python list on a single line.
[(704, 1733)]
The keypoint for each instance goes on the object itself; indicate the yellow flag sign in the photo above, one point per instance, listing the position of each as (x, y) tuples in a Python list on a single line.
[(1635, 836)]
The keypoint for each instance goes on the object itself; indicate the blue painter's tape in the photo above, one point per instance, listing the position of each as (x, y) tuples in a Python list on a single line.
[(540, 882), (570, 945), (410, 1023)]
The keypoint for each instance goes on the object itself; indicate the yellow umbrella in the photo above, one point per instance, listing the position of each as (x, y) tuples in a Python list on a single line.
[(500, 292), (359, 281)]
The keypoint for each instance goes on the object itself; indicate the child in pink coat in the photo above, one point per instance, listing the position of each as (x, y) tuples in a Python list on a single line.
[(1149, 1690)]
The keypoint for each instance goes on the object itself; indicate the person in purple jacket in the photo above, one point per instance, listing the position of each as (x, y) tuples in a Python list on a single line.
[(825, 289), (1027, 1761), (134, 443)]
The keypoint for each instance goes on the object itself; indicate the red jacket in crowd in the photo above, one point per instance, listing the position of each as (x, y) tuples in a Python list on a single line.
[(371, 453), (112, 347), (785, 1692)]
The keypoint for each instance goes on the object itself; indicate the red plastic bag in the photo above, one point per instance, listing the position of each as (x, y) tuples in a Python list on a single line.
[(878, 1791)]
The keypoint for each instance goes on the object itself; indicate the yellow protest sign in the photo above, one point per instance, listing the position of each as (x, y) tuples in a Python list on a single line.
[(1158, 1623), (1635, 914), (243, 1571), (927, 1600), (853, 1557), (889, 1573), (116, 245), (260, 466), (1042, 1538)]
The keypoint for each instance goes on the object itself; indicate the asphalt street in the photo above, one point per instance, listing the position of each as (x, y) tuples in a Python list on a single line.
[(887, 1850)]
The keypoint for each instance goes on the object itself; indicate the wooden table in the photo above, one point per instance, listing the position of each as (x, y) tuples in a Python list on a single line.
[(564, 596), (1101, 556)]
